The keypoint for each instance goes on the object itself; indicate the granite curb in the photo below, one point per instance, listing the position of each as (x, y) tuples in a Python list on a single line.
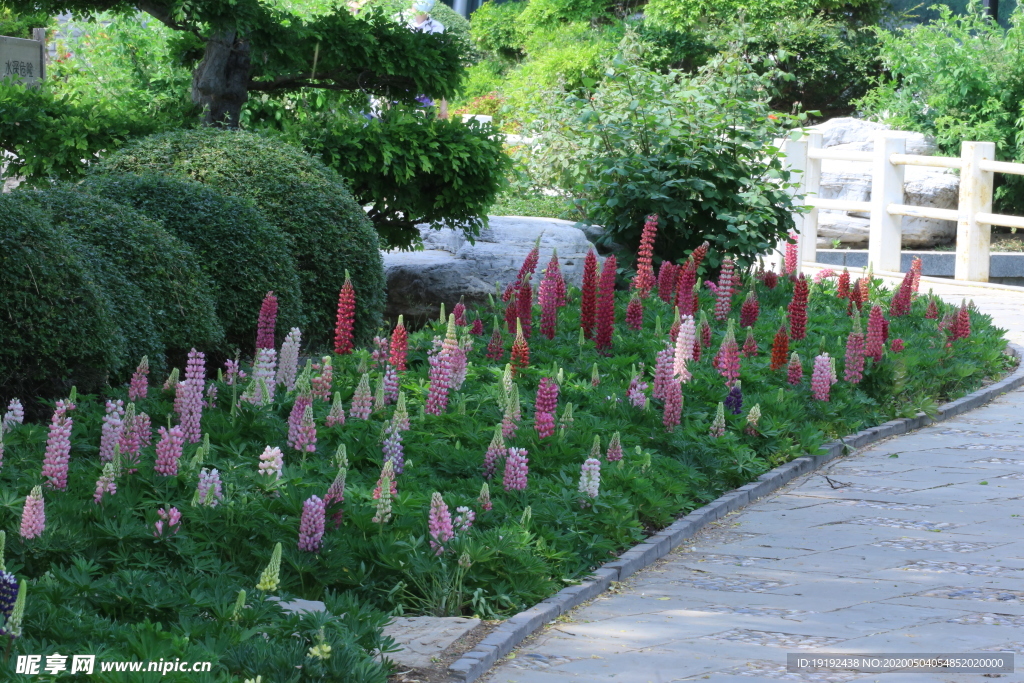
[(506, 637)]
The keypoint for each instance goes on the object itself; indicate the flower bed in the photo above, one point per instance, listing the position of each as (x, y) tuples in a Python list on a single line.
[(457, 469)]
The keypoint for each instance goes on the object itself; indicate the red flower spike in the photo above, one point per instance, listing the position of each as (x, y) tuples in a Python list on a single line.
[(933, 310), (705, 331), (496, 346), (548, 298), (723, 297), (345, 326), (961, 327), (896, 345), (399, 346), (795, 371), (524, 305), (529, 263), (512, 314), (686, 300), (875, 340), (477, 328), (885, 329), (698, 255), (267, 322), (843, 287), (588, 302), (668, 275), (780, 348), (460, 312), (900, 304), (635, 313), (750, 310), (606, 305), (697, 347), (771, 279), (643, 281), (554, 273), (798, 309), (510, 289), (750, 345), (520, 350)]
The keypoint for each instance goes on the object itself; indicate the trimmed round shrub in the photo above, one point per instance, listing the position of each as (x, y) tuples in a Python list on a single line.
[(329, 232), (143, 269), (57, 325), (239, 250)]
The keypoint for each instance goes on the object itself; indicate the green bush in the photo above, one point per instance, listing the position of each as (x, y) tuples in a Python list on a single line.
[(549, 13), (454, 23), (495, 28), (57, 325), (161, 295), (239, 250), (327, 229), (669, 49), (682, 15)]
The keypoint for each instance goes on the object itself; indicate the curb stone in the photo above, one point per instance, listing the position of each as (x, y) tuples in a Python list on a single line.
[(506, 637)]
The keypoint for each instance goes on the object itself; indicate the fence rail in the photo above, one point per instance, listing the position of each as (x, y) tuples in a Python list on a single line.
[(973, 214)]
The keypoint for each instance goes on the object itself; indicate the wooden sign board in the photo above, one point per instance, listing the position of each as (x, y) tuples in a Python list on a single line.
[(22, 60)]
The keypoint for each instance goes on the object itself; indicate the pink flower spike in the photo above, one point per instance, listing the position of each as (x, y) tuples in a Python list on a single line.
[(58, 448), (139, 387), (439, 523), (168, 451), (516, 470), (311, 525), (821, 377), (33, 516)]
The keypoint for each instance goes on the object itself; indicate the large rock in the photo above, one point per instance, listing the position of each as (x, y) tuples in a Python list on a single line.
[(451, 267), (857, 134), (423, 639)]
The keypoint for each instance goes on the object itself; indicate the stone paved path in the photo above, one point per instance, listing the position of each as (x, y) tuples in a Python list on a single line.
[(916, 545)]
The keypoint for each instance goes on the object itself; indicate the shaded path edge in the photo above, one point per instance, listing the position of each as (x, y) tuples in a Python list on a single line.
[(513, 631)]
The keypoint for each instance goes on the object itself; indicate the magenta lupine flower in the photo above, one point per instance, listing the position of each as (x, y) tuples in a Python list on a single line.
[(288, 368), (637, 392), (441, 362), (390, 384), (673, 405), (209, 490), (439, 523), (686, 342), (337, 414), (876, 334), (464, 519), (795, 371), (485, 498), (727, 361), (495, 451), (33, 516), (718, 424), (190, 392), (896, 345), (15, 415), (459, 364), (266, 323), (311, 525), (614, 449), (855, 353), (516, 469), (323, 382), (821, 377), (110, 432), (58, 447), (663, 372), (107, 483), (790, 262), (271, 462), (302, 401), (711, 287), (723, 297), (547, 404), (590, 479), (168, 450), (392, 447), (171, 517), (362, 401), (305, 437), (233, 372), (139, 386)]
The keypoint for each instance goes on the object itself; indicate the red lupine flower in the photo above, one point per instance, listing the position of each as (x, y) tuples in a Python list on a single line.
[(345, 326), (697, 346), (643, 282), (686, 298), (843, 287), (477, 328), (896, 345), (668, 273), (520, 350), (856, 298), (780, 348), (524, 305), (771, 279), (900, 305), (588, 303), (875, 340), (460, 312), (266, 323), (510, 289), (705, 331), (635, 313), (673, 405), (750, 345), (496, 347), (547, 403), (399, 346), (723, 298), (933, 310), (750, 310), (512, 313), (795, 373), (798, 309), (698, 255), (885, 329), (961, 327), (855, 353), (606, 305), (529, 263)]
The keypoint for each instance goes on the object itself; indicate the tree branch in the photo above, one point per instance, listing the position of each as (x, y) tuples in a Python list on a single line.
[(327, 81)]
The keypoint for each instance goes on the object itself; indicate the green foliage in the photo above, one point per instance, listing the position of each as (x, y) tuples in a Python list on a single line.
[(696, 150), (243, 255), (685, 14), (540, 14), (327, 229), (958, 78), (18, 24), (454, 23), (496, 28), (57, 324)]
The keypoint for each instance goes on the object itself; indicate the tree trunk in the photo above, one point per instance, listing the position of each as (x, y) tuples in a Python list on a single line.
[(220, 84)]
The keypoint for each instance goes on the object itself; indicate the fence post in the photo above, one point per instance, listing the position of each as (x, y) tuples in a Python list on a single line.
[(796, 161), (810, 186), (973, 238), (885, 236)]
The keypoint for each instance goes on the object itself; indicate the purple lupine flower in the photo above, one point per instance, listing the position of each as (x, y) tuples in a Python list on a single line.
[(288, 368), (516, 469), (211, 396), (636, 392), (390, 384), (192, 399), (58, 447), (139, 386), (168, 450), (662, 372), (302, 401), (734, 399), (130, 441), (263, 368), (107, 483), (210, 492), (381, 351), (311, 526), (33, 516), (439, 523), (336, 495), (110, 432), (590, 479), (143, 429), (495, 451), (392, 446), (271, 462), (8, 595), (821, 377)]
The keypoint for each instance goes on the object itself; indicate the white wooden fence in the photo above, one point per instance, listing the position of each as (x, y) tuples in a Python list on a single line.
[(973, 216)]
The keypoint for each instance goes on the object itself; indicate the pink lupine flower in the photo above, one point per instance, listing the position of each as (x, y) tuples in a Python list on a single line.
[(637, 392), (143, 430), (727, 361), (711, 287), (392, 446), (311, 525), (337, 414), (399, 345), (875, 341), (440, 361), (302, 401), (33, 516), (662, 372), (192, 399), (460, 313), (233, 372), (288, 368), (464, 519), (381, 351), (211, 396), (673, 405), (790, 260), (686, 344), (209, 489), (168, 450), (723, 297), (439, 523), (15, 415), (485, 498), (362, 400), (547, 404), (107, 483), (516, 469), (821, 377), (718, 424), (264, 368), (267, 322), (390, 384), (459, 363), (824, 274), (172, 518), (795, 373), (110, 432), (854, 371), (614, 449), (58, 447), (896, 345), (590, 479), (495, 451), (305, 437), (271, 462), (139, 386)]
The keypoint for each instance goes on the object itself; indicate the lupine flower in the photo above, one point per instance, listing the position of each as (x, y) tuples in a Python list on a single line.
[(590, 479), (512, 314), (726, 283), (606, 305), (495, 451), (58, 447), (750, 310), (344, 328), (383, 494), (401, 416), (856, 297), (643, 281), (464, 519), (302, 401), (566, 420), (824, 274), (718, 424), (711, 287), (510, 290), (699, 253), (13, 627), (595, 376), (485, 498), (635, 313), (673, 409), (821, 377), (668, 275), (378, 396), (171, 517), (460, 361), (843, 287), (547, 297), (546, 405), (271, 462), (168, 450), (734, 399), (392, 447), (171, 383), (554, 271), (662, 372), (915, 270), (962, 324), (933, 310), (790, 260), (900, 304), (311, 525), (390, 384), (588, 303), (211, 397), (305, 437), (129, 443), (33, 516), (440, 361), (399, 345), (864, 284), (321, 384), (139, 386), (477, 328), (362, 400), (798, 309), (854, 371), (875, 340), (727, 360), (636, 393), (270, 578), (496, 347), (705, 331), (460, 312), (896, 345), (336, 495), (686, 343), (686, 297), (832, 376), (209, 491), (524, 306), (267, 322), (110, 432), (8, 597), (529, 263), (750, 345), (771, 279), (439, 523), (107, 483), (520, 349), (510, 420), (614, 448), (337, 414), (516, 469), (796, 369), (288, 368), (15, 415), (233, 372), (752, 419)]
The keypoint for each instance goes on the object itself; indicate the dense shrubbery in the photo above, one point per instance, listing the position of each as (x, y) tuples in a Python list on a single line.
[(244, 256), (327, 229)]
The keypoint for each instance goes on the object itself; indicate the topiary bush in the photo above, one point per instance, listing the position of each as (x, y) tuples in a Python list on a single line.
[(162, 298), (243, 255), (328, 231), (57, 325)]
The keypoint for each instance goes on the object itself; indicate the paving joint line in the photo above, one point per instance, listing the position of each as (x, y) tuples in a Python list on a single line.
[(506, 637)]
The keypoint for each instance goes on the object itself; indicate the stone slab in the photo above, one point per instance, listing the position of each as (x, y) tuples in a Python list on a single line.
[(424, 638)]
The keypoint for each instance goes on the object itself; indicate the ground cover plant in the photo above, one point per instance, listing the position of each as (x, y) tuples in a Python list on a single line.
[(474, 466)]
